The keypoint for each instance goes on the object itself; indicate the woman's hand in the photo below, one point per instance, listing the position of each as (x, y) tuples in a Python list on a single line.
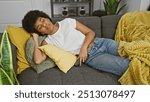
[(89, 38), (82, 55), (35, 36), (38, 55)]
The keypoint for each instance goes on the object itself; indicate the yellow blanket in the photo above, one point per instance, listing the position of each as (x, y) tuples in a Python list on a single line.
[(133, 34)]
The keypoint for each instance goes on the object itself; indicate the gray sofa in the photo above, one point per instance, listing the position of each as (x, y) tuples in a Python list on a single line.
[(104, 27)]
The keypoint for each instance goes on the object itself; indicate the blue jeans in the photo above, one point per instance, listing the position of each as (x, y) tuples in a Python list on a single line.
[(104, 56)]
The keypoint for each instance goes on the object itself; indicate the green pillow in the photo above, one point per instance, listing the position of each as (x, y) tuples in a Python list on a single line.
[(48, 63)]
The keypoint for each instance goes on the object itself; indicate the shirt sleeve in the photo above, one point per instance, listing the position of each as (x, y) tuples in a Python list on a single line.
[(47, 40)]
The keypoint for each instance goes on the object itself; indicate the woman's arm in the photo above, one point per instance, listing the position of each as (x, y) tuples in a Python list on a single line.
[(90, 34), (38, 55)]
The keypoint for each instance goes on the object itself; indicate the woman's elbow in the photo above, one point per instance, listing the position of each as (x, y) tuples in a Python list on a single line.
[(93, 33), (38, 61)]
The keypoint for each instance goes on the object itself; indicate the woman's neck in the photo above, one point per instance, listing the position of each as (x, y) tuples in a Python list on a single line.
[(55, 28)]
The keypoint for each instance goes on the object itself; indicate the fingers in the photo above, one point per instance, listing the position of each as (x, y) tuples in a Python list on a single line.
[(82, 60)]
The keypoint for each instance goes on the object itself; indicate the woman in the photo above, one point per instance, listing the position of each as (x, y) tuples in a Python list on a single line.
[(73, 36)]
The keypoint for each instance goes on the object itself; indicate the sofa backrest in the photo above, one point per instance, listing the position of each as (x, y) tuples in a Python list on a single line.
[(92, 22), (104, 26), (109, 25)]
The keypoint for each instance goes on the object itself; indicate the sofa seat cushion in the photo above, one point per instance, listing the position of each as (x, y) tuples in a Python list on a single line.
[(83, 75), (28, 77)]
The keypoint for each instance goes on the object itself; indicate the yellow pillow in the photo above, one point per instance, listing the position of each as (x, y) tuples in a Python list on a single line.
[(64, 60), (19, 37)]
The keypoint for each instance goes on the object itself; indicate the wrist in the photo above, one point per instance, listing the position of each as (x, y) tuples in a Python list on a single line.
[(36, 44), (84, 47)]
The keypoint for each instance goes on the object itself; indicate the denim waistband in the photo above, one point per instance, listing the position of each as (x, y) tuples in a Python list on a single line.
[(96, 40)]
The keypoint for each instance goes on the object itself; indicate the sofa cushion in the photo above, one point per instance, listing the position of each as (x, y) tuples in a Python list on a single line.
[(14, 56), (29, 49), (28, 77), (19, 37), (63, 59), (109, 25), (83, 75)]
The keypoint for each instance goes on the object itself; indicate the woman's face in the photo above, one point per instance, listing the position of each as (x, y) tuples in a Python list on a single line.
[(44, 25)]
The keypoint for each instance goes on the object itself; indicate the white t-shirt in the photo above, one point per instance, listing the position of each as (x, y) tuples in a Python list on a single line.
[(67, 37)]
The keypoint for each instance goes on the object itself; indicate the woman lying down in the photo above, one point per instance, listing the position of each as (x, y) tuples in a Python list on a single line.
[(76, 38)]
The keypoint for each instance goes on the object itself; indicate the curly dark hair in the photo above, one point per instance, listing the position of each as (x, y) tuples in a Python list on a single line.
[(148, 8), (30, 18)]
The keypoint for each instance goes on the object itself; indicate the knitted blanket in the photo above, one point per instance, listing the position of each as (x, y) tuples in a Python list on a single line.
[(133, 35)]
